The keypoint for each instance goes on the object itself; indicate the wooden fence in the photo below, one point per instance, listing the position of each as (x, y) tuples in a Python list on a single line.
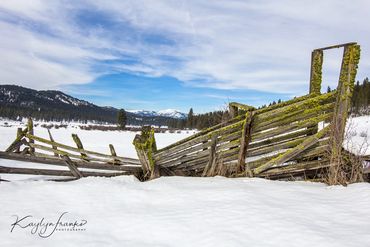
[(80, 162), (298, 138)]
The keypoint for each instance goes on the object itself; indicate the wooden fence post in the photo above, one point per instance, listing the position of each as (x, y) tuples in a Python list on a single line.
[(30, 131), (244, 142), (210, 168), (316, 71), (233, 110), (19, 136), (351, 57), (113, 153), (145, 146), (53, 146), (79, 145)]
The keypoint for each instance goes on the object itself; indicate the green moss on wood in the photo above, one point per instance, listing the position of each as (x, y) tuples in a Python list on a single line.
[(146, 143), (316, 71)]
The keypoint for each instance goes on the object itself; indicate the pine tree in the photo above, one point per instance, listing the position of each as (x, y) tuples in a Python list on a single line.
[(190, 122), (121, 119)]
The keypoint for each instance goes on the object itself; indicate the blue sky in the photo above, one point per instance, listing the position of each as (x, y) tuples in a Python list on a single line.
[(164, 54)]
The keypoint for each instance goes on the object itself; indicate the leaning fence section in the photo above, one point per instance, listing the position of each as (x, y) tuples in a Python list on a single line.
[(79, 161), (298, 138)]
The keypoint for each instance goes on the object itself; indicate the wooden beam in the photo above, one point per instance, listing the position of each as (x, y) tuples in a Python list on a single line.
[(244, 142), (30, 131), (124, 160), (145, 146), (337, 46), (212, 158), (351, 57), (316, 71), (53, 146), (49, 172), (307, 143), (51, 160), (79, 145), (72, 167)]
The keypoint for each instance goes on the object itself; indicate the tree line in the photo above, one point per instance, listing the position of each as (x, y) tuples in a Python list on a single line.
[(360, 106)]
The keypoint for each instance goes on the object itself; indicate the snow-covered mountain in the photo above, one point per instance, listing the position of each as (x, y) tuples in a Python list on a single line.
[(172, 113)]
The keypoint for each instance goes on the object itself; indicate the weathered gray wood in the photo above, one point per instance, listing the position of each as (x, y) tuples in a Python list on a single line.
[(244, 142), (292, 127), (337, 46), (72, 167), (212, 158), (275, 147), (295, 168), (221, 131), (296, 104), (280, 138), (19, 135), (237, 121), (307, 114), (53, 146), (112, 150), (66, 147), (193, 146), (314, 151), (30, 131), (49, 172), (307, 143), (51, 160), (351, 56), (79, 145)]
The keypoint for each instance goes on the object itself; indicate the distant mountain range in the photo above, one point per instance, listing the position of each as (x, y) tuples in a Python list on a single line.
[(17, 101), (171, 113)]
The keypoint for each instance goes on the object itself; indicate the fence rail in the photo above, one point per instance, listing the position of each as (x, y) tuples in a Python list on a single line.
[(31, 148)]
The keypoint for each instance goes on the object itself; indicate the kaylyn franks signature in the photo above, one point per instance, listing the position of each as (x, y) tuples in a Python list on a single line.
[(45, 228)]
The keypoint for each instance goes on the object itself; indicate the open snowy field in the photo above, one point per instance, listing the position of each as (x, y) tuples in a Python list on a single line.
[(178, 211), (185, 211)]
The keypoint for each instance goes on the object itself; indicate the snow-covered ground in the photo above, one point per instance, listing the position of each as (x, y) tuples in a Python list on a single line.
[(185, 211), (179, 211)]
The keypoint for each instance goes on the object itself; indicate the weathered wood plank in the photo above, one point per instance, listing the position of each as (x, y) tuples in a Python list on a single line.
[(66, 147), (49, 172), (307, 143), (51, 160), (212, 158), (207, 132), (53, 146), (244, 142), (72, 167), (289, 128), (30, 131), (351, 57), (316, 71), (302, 115), (221, 131), (79, 145)]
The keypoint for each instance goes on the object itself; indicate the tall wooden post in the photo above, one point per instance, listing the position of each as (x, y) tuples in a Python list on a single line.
[(79, 145), (244, 142), (145, 146), (351, 57), (30, 131), (316, 71)]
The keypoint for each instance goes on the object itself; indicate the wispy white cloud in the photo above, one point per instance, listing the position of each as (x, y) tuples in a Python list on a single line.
[(261, 45)]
